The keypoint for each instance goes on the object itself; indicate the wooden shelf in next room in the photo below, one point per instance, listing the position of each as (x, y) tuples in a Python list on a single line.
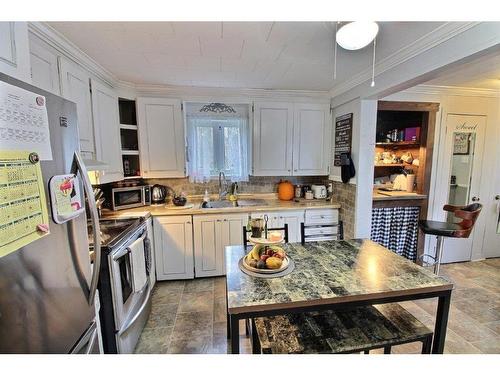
[(127, 126), (394, 165), (130, 152), (398, 144)]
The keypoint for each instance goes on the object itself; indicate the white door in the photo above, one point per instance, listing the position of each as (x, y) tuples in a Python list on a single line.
[(107, 131), (208, 254), (161, 138), (311, 139), (173, 237), (272, 140), (14, 50), (44, 70), (75, 86), (464, 147)]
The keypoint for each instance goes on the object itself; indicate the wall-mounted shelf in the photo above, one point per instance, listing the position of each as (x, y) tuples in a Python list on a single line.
[(129, 139), (127, 126), (398, 144), (381, 165), (130, 152)]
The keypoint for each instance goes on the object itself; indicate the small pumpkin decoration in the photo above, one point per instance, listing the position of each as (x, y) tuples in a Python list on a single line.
[(285, 190)]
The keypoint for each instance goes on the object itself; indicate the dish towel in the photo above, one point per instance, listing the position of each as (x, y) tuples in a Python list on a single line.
[(138, 265)]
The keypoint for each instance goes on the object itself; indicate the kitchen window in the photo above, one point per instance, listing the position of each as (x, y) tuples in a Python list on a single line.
[(217, 141)]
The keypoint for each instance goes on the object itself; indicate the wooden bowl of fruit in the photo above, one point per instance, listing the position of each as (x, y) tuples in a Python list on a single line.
[(266, 259)]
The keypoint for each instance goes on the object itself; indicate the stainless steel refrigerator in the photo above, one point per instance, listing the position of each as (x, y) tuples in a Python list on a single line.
[(47, 288)]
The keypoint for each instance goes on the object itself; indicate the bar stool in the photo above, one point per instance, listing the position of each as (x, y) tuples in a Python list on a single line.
[(440, 229)]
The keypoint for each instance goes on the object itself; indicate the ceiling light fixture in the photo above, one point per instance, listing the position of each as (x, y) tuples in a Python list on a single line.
[(356, 35)]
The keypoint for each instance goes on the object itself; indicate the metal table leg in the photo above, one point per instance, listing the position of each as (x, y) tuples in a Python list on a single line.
[(235, 334), (441, 323)]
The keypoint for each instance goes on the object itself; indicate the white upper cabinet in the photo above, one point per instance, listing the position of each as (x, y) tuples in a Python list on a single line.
[(107, 131), (14, 50), (272, 139), (291, 139), (311, 139), (44, 70), (161, 137), (75, 87)]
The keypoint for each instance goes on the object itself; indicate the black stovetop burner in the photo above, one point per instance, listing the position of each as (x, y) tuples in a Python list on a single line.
[(113, 230)]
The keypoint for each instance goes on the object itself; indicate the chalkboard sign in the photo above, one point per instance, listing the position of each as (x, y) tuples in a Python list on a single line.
[(343, 136)]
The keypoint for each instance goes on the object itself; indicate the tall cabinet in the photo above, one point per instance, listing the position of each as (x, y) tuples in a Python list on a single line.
[(75, 87), (107, 133), (161, 137), (291, 139)]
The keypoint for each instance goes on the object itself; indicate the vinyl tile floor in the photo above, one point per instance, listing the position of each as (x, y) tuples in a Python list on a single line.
[(190, 316)]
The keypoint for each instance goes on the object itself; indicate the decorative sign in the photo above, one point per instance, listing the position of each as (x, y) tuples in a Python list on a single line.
[(23, 211), (461, 143), (24, 124), (343, 136)]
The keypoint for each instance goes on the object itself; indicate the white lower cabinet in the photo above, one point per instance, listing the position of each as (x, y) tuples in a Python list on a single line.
[(173, 237), (277, 219), (212, 233)]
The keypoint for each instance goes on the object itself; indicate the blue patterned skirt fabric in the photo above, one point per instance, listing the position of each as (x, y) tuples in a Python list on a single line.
[(397, 229)]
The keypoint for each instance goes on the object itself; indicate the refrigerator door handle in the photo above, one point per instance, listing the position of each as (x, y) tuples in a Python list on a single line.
[(78, 165)]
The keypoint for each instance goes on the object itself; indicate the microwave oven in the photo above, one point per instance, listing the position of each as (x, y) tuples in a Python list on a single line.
[(130, 196)]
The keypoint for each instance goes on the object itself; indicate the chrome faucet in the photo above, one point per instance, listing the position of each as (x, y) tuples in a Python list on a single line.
[(222, 189)]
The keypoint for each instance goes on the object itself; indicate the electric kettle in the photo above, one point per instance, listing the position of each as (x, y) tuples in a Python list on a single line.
[(158, 194)]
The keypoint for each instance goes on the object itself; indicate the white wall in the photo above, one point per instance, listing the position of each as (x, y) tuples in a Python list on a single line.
[(362, 153)]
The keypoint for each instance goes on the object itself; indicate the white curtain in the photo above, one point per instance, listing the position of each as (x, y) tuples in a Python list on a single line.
[(217, 142)]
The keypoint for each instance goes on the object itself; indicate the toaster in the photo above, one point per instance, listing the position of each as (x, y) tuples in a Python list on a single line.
[(319, 191)]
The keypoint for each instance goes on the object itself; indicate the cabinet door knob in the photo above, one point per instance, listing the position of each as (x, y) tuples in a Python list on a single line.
[(497, 197), (188, 222), (475, 199), (295, 170)]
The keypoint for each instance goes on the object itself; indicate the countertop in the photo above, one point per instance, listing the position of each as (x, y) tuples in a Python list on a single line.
[(395, 195), (273, 204)]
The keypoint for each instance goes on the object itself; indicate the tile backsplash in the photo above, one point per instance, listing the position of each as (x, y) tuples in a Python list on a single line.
[(254, 185)]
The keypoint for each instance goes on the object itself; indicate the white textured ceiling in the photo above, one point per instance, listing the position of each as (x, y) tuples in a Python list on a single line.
[(270, 55), (483, 73)]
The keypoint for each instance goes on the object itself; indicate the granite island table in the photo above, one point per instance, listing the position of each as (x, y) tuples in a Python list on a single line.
[(332, 275)]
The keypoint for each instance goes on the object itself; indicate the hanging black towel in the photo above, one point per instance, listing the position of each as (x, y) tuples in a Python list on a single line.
[(347, 170)]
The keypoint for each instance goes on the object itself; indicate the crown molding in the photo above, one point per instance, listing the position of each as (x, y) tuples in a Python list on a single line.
[(432, 39), (224, 92), (70, 50), (452, 90)]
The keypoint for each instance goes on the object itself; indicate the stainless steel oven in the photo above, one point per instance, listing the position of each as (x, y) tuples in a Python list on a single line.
[(131, 196), (125, 289)]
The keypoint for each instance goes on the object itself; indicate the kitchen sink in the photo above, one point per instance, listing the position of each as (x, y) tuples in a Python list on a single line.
[(251, 202), (239, 203), (218, 204)]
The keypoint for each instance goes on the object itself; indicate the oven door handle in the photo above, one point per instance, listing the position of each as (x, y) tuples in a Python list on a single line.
[(126, 250), (79, 165), (132, 319)]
